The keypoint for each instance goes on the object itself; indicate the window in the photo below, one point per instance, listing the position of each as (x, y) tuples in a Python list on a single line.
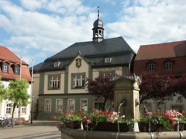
[(5, 67), (17, 70), (151, 67), (169, 66), (57, 63), (59, 105), (108, 60), (8, 108), (84, 105), (71, 104), (146, 107), (23, 110), (78, 80), (54, 82), (47, 105), (178, 108), (161, 107), (99, 106)]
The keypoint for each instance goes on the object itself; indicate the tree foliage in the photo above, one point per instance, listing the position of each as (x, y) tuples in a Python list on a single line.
[(3, 91), (102, 86), (18, 93), (180, 87), (158, 88)]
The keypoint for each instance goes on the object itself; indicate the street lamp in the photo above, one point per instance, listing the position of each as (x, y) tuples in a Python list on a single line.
[(32, 108)]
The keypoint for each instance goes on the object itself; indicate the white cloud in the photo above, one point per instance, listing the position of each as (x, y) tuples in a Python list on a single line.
[(31, 4), (148, 22)]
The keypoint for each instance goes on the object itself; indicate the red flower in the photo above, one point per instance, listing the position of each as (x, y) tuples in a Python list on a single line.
[(58, 125), (54, 117), (66, 111)]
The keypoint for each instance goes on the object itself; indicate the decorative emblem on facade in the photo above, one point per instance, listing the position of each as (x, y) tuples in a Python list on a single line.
[(78, 62)]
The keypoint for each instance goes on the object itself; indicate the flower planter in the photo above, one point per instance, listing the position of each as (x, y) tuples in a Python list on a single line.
[(73, 124), (124, 127), (143, 127)]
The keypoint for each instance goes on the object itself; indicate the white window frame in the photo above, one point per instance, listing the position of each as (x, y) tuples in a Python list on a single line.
[(108, 59), (69, 104), (5, 68), (83, 99), (9, 107), (78, 81), (22, 111), (57, 110), (48, 105), (168, 66), (54, 84), (151, 67)]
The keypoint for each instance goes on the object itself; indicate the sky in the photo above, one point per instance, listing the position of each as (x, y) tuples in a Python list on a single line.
[(37, 29)]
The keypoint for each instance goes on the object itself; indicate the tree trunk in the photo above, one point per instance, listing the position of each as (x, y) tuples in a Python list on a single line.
[(13, 114), (103, 109)]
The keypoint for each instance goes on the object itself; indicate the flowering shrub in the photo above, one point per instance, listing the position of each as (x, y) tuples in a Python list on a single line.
[(105, 117), (170, 117), (67, 117)]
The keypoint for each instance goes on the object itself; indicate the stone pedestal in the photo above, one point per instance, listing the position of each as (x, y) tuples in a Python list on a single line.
[(127, 89)]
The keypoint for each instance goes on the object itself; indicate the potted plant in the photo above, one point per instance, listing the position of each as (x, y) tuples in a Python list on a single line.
[(161, 122), (105, 121), (70, 119)]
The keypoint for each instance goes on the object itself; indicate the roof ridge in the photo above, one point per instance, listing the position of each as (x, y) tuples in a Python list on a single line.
[(163, 43)]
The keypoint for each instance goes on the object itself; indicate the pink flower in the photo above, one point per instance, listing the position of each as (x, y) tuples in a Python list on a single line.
[(88, 121), (146, 109), (84, 117), (174, 122), (61, 112), (54, 117), (158, 110), (149, 113)]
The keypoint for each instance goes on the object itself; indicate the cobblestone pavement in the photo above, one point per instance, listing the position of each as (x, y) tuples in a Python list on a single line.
[(37, 130)]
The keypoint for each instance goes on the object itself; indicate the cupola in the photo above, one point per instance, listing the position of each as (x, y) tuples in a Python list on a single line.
[(98, 30)]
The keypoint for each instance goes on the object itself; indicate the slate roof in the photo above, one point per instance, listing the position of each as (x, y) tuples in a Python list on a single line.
[(117, 48), (36, 68), (163, 50)]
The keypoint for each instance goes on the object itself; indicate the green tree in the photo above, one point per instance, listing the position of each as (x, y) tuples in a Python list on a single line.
[(3, 92), (18, 93)]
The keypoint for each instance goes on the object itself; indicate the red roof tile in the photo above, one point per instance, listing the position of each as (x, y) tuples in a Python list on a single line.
[(9, 56), (163, 50)]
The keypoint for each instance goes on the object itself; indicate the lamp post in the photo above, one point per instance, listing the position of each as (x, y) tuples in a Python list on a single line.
[(32, 108)]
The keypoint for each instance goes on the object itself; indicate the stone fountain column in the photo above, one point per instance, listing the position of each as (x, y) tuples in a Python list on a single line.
[(126, 90)]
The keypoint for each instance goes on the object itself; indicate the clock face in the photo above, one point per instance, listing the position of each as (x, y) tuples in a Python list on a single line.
[(78, 62)]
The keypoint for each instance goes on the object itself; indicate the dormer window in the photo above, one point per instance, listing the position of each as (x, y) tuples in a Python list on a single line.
[(108, 60), (17, 70), (168, 66), (57, 63), (151, 67), (5, 67)]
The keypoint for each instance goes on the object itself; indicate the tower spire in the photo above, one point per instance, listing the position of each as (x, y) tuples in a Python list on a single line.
[(98, 11)]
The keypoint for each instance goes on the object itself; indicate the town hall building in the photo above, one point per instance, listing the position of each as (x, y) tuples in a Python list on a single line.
[(61, 77)]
